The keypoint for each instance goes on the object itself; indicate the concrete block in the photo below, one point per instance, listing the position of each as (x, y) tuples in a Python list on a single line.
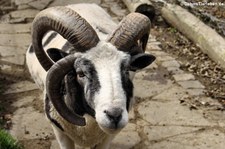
[(54, 145), (68, 2), (126, 139), (8, 51), (15, 28), (164, 58), (30, 124), (183, 77), (152, 47), (196, 92), (158, 53), (21, 87), (156, 133), (26, 13), (171, 113), (40, 4), (20, 2), (145, 88), (16, 60), (16, 40), (171, 63), (175, 70), (173, 93), (210, 138), (191, 84)]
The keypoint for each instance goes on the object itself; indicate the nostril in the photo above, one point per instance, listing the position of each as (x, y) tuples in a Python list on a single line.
[(114, 115)]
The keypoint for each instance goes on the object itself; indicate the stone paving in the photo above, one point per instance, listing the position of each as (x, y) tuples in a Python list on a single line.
[(171, 110)]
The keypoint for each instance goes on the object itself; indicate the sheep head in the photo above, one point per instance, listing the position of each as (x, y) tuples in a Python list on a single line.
[(102, 68)]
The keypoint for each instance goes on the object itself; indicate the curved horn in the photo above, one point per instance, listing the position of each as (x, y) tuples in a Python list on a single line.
[(132, 28), (53, 87), (68, 24)]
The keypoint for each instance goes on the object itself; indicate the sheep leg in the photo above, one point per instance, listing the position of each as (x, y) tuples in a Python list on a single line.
[(105, 143), (64, 141)]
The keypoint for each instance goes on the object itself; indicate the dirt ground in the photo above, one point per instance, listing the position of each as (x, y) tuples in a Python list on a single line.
[(193, 59), (211, 12)]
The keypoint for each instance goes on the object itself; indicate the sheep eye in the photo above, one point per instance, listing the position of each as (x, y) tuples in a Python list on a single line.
[(80, 73)]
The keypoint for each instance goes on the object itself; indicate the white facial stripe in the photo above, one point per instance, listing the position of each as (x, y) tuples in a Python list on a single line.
[(111, 95), (107, 60), (111, 90)]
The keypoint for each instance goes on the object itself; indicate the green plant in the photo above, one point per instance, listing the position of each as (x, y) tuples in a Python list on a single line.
[(7, 141), (172, 30)]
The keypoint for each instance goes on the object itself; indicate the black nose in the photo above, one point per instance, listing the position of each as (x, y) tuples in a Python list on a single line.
[(114, 115)]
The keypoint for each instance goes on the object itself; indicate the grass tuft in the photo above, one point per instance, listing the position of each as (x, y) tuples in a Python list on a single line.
[(7, 141)]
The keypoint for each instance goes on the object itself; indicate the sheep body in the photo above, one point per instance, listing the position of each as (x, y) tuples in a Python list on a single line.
[(107, 88), (86, 136), (89, 135)]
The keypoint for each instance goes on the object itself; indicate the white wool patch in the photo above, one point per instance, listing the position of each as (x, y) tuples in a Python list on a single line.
[(36, 70), (105, 51), (57, 42), (86, 136)]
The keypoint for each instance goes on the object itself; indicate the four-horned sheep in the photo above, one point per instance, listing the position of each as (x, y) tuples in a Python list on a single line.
[(84, 62)]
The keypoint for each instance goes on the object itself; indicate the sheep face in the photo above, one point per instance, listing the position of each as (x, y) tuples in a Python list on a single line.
[(101, 66), (102, 85), (103, 72)]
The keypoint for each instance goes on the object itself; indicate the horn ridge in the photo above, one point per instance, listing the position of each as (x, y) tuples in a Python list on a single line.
[(68, 24), (132, 28), (53, 85)]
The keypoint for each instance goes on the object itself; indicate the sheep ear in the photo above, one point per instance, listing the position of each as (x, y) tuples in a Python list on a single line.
[(141, 61), (56, 54)]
